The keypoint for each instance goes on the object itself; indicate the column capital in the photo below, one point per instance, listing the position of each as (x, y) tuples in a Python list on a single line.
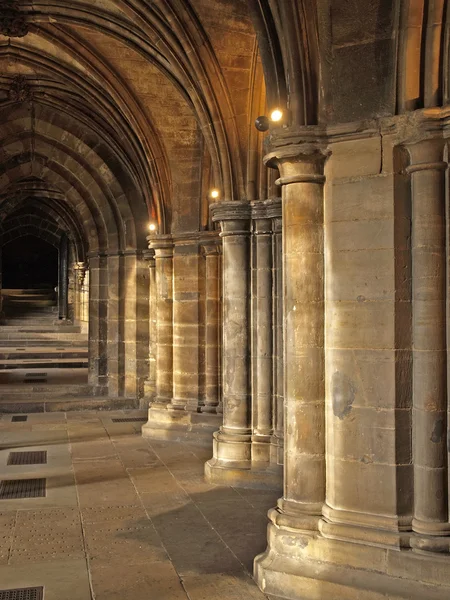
[(266, 209), (230, 211), (149, 255), (80, 271), (299, 162), (211, 248), (426, 155), (234, 217), (162, 245)]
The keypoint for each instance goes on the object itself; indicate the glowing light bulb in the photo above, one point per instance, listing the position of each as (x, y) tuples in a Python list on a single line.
[(215, 193), (152, 227), (276, 115)]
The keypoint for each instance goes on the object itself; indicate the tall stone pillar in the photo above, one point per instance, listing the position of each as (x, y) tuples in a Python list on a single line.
[(80, 272), (63, 278), (232, 443), (186, 306), (163, 247), (277, 444), (150, 384), (430, 519), (211, 251), (262, 337), (295, 521), (98, 323), (304, 387)]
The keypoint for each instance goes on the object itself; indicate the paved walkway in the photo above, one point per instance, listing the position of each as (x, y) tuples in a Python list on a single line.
[(123, 518)]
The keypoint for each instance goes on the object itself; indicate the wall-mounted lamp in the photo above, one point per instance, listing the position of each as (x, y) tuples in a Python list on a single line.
[(277, 117), (214, 193), (152, 227)]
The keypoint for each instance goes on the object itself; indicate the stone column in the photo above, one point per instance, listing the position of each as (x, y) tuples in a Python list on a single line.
[(302, 181), (163, 247), (278, 362), (98, 322), (80, 272), (63, 278), (262, 335), (304, 386), (150, 384), (429, 286), (211, 251), (186, 304), (232, 443)]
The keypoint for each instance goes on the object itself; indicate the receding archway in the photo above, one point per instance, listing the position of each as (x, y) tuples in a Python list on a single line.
[(30, 263)]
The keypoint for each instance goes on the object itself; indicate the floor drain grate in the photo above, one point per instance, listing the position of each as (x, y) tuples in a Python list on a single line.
[(35, 380), (130, 420), (28, 458), (11, 489), (17, 418), (31, 593)]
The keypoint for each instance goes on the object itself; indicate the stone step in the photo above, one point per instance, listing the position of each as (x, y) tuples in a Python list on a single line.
[(36, 329), (39, 403), (41, 363), (28, 343), (41, 352), (26, 291)]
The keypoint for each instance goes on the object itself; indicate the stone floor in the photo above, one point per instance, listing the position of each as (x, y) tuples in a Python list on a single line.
[(123, 517)]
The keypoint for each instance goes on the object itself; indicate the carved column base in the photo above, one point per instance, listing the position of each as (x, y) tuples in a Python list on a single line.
[(304, 565), (180, 425)]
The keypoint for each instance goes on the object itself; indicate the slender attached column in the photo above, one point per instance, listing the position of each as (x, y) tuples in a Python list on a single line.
[(63, 279), (262, 339), (232, 443), (430, 457), (278, 362), (98, 323), (302, 181), (150, 384), (212, 303), (164, 320), (80, 272), (186, 305)]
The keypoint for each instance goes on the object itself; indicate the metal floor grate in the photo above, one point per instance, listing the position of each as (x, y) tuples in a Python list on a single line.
[(28, 458), (11, 489), (35, 380), (33, 593), (35, 374), (130, 420), (17, 418)]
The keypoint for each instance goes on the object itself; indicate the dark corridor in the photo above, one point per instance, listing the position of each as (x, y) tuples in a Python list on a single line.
[(29, 263)]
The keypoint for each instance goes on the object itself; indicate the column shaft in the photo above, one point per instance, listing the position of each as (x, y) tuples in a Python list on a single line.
[(429, 339), (164, 323), (232, 443), (278, 361), (262, 339), (212, 333), (304, 389), (186, 303)]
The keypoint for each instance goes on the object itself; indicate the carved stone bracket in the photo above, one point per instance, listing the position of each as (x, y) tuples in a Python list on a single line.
[(20, 90), (13, 22)]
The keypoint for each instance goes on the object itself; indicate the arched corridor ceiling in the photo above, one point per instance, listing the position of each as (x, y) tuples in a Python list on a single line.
[(119, 105)]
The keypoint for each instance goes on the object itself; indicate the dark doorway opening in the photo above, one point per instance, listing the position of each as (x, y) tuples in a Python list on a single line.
[(29, 263)]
